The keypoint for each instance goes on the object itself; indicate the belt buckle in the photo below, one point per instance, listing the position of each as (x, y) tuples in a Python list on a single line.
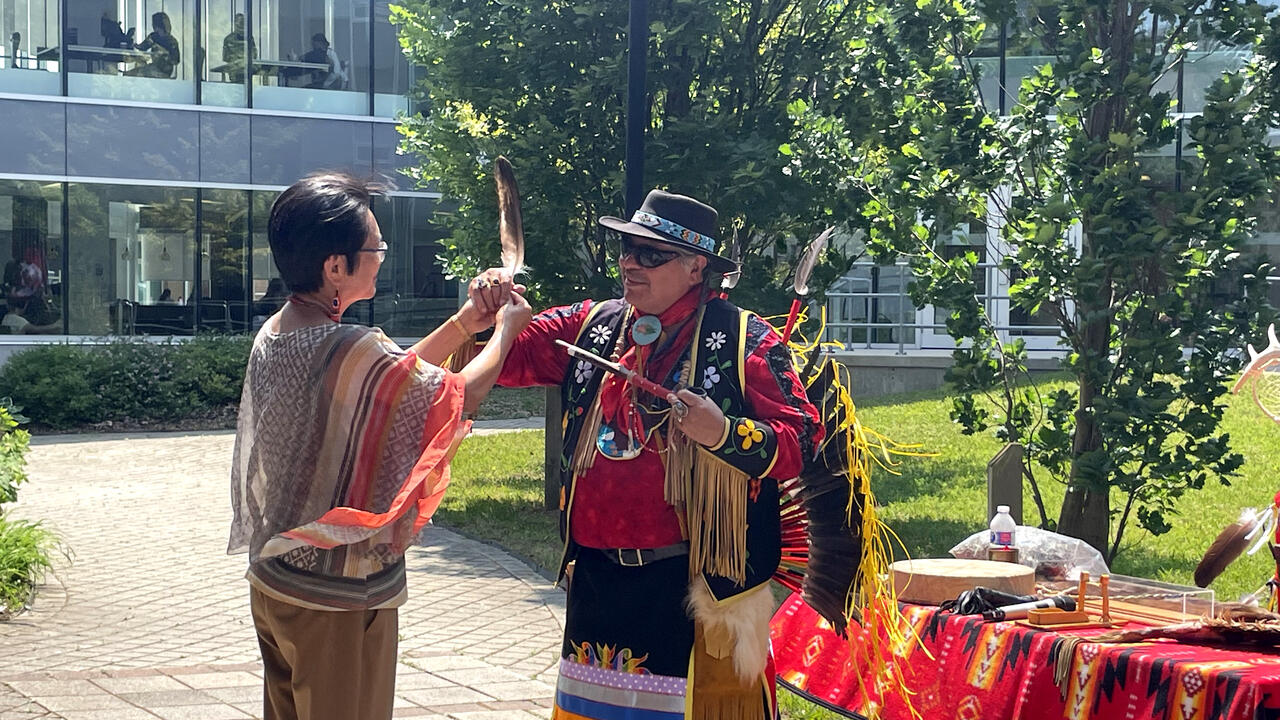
[(622, 557)]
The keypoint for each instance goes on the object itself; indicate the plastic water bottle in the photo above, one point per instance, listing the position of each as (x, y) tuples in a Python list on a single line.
[(1003, 543)]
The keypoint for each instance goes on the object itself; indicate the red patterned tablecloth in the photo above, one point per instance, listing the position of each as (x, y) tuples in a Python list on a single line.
[(966, 669)]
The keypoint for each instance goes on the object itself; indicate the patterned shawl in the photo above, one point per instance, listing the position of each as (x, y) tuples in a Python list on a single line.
[(342, 437)]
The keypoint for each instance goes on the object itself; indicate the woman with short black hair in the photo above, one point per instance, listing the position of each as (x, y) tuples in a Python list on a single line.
[(341, 455)]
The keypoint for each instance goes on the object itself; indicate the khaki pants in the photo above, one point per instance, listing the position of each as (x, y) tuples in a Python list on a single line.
[(322, 665)]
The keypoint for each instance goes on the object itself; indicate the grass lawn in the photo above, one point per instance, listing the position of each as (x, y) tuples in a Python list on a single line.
[(932, 504), (513, 403)]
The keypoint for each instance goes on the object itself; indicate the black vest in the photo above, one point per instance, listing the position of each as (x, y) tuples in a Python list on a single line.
[(717, 367)]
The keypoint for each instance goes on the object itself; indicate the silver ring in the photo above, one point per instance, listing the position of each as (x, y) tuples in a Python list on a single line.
[(680, 409), (482, 283)]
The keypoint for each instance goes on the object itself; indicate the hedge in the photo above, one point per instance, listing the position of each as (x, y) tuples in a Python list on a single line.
[(68, 386)]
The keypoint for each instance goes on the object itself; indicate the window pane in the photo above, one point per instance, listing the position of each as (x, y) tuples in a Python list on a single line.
[(985, 61), (224, 147), (386, 163), (392, 73), (29, 47), (228, 50), (313, 55), (224, 222), (31, 247), (131, 253), (114, 141), (413, 296), (268, 290), (1202, 69), (285, 149), (1032, 36), (137, 50), (34, 137)]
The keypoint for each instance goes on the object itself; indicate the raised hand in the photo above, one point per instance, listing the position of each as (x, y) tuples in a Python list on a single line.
[(475, 318), (491, 289), (515, 315)]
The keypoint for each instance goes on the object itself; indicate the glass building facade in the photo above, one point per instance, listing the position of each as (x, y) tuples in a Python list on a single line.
[(144, 141)]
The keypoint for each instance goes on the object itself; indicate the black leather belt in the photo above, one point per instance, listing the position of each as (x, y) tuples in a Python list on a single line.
[(638, 557)]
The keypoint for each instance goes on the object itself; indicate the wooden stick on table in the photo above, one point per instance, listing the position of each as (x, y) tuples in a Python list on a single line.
[(1081, 590), (1103, 582)]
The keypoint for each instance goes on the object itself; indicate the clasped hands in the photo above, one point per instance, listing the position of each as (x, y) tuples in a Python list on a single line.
[(491, 296), (488, 292)]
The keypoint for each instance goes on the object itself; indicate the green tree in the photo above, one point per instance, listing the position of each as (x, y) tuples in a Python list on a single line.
[(1146, 272), (544, 83)]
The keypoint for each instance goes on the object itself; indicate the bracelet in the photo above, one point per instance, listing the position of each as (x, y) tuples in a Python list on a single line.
[(453, 320)]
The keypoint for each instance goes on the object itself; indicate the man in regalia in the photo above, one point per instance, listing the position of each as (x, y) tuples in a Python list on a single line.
[(669, 505)]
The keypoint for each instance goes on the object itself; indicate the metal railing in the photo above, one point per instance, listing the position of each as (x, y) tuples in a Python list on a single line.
[(869, 307)]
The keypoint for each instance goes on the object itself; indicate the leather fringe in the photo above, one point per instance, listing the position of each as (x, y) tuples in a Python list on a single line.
[(1063, 660), (716, 690), (717, 514), (680, 456), (584, 455), (739, 706)]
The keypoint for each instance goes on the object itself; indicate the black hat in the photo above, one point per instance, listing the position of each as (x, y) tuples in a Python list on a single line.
[(675, 220)]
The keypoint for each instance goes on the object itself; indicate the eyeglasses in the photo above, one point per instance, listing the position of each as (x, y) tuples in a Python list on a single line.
[(645, 255), (381, 250)]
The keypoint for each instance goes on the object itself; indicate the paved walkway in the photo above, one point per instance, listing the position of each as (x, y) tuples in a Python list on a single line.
[(150, 619)]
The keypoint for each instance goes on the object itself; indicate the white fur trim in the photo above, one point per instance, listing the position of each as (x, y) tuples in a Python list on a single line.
[(744, 616)]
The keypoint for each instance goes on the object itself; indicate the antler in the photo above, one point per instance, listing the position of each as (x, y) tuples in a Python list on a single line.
[(1259, 360)]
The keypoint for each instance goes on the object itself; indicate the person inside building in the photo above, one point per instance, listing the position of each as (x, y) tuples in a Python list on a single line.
[(17, 319), (164, 55), (234, 47), (334, 77)]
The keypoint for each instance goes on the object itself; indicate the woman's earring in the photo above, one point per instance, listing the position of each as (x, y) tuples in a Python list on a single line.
[(336, 303)]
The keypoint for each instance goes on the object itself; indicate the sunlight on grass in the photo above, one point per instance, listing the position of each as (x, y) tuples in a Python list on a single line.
[(496, 496), (935, 503)]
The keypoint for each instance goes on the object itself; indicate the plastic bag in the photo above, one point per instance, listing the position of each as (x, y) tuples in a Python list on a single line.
[(1052, 556)]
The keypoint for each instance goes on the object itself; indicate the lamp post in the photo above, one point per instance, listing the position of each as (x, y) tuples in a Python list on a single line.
[(637, 109)]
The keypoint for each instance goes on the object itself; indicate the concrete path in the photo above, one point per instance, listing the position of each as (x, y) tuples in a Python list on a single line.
[(150, 618)]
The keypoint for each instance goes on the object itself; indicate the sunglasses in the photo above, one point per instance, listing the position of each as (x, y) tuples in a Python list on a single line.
[(645, 255)]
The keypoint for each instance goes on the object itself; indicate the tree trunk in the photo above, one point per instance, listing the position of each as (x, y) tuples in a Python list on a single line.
[(1086, 510)]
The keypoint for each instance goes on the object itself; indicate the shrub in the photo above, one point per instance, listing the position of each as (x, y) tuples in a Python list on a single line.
[(52, 382), (66, 386), (25, 549), (13, 450), (212, 366)]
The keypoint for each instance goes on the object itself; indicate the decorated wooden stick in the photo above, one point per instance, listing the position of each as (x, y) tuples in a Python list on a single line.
[(1104, 583), (631, 376), (801, 284)]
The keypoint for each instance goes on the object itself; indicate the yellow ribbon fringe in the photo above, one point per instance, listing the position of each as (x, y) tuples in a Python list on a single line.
[(873, 602)]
